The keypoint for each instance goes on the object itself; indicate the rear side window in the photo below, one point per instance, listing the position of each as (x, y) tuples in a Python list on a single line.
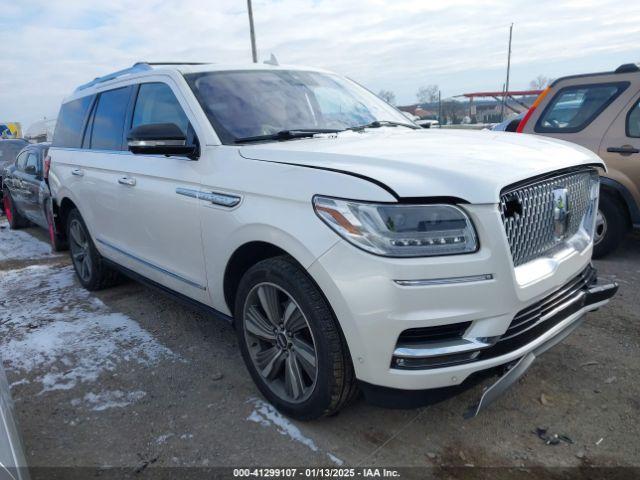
[(575, 107), (633, 121), (69, 127), (156, 103), (108, 120)]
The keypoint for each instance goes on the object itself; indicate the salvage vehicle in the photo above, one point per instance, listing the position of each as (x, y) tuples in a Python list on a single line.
[(351, 249), (26, 194), (13, 465), (601, 112), (9, 149)]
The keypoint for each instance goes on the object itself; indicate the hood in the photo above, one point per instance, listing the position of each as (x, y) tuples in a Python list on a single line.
[(471, 165)]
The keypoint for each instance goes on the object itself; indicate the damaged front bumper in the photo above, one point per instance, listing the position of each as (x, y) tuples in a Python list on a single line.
[(553, 318)]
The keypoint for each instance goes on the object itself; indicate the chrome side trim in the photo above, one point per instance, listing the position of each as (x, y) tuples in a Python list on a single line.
[(435, 349), (216, 198), (445, 281), (152, 265)]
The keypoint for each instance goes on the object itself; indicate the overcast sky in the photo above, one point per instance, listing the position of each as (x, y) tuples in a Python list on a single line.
[(51, 46)]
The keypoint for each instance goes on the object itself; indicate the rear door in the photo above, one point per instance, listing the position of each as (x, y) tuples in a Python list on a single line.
[(620, 148), (31, 179), (158, 231), (14, 181)]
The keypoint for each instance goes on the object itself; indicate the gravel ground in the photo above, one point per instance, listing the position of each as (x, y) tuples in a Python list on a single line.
[(129, 378)]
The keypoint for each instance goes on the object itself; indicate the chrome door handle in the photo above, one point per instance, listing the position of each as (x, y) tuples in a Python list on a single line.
[(127, 181), (77, 172), (623, 150)]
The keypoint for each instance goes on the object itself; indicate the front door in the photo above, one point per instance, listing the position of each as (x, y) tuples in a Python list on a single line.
[(158, 232), (620, 148)]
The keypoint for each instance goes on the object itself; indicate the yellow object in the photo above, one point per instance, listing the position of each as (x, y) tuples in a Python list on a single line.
[(10, 130)]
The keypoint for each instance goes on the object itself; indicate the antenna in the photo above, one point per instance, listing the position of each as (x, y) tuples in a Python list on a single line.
[(272, 61)]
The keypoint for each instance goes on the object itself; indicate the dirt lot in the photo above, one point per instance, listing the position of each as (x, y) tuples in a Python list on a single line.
[(129, 378)]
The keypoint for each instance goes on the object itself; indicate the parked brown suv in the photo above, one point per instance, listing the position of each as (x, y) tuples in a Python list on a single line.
[(600, 111)]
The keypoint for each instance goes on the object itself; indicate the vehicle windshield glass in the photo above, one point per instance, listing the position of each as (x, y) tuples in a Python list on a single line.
[(251, 103)]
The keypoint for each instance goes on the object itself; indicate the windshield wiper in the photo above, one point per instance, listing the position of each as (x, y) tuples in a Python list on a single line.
[(287, 134), (383, 123)]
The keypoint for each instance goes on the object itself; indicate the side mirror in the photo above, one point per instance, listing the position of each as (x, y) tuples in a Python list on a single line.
[(30, 170), (160, 139)]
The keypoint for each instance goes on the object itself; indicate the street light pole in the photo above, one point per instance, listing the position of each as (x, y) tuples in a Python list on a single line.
[(254, 52), (506, 85)]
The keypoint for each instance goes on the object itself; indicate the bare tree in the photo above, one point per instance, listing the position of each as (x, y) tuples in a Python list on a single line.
[(388, 96), (539, 83), (428, 94)]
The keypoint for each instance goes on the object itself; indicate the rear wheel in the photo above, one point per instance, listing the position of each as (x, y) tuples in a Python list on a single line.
[(14, 217), (611, 226), (87, 262), (291, 342)]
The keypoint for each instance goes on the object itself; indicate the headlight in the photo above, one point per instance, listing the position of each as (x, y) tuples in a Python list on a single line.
[(399, 230)]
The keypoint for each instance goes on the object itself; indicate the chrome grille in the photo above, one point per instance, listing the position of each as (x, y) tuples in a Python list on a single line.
[(527, 212)]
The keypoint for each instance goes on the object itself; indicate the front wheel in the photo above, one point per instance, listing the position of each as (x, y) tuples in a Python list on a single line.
[(291, 342), (14, 217), (611, 226)]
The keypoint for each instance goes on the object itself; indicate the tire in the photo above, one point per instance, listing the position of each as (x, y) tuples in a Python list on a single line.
[(89, 265), (14, 217), (280, 281), (611, 227)]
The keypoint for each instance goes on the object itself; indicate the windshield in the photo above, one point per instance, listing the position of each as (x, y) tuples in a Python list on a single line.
[(253, 103), (9, 150)]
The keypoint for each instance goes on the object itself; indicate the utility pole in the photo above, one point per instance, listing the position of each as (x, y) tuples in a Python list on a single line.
[(254, 52), (439, 109), (506, 85)]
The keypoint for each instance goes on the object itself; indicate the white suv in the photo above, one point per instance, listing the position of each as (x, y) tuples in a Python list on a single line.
[(351, 249)]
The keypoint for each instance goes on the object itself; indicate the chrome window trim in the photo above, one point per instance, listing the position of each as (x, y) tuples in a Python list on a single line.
[(151, 265)]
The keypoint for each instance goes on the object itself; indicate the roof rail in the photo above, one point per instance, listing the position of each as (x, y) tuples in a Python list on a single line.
[(174, 63), (628, 68), (138, 67)]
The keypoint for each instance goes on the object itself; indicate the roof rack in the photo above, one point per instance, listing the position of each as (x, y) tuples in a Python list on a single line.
[(137, 67)]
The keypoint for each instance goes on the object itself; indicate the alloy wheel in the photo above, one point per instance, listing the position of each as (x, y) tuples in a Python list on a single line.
[(280, 342), (79, 246), (601, 228)]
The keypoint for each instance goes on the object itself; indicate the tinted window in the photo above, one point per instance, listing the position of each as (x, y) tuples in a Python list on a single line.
[(21, 161), (108, 120), (156, 103), (69, 127), (32, 161), (633, 121), (573, 108)]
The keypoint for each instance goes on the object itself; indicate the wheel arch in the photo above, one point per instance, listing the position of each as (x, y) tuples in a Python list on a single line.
[(622, 194)]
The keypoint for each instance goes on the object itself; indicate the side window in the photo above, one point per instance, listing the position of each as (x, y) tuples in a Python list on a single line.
[(574, 108), (32, 161), (70, 124), (108, 120), (633, 121), (156, 103), (21, 161)]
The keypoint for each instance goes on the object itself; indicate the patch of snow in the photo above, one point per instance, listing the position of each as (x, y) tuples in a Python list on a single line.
[(53, 327), (109, 399), (186, 436), (19, 245), (266, 415), (163, 438)]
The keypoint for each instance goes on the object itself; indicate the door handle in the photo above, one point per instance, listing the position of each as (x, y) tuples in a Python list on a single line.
[(624, 150), (77, 172), (130, 182)]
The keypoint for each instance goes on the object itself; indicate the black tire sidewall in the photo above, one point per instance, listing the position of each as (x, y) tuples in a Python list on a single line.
[(322, 327), (93, 282), (617, 225)]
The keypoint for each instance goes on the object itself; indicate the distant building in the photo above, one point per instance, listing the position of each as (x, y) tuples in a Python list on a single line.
[(40, 131)]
